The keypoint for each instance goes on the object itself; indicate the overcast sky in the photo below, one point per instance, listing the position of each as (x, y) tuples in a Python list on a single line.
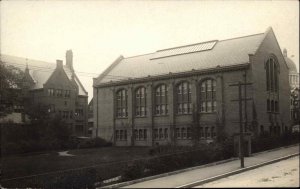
[(99, 31)]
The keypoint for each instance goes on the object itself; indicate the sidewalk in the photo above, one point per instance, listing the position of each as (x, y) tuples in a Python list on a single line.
[(205, 172)]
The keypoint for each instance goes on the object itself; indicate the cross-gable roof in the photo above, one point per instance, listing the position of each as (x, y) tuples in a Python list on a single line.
[(198, 56), (40, 71)]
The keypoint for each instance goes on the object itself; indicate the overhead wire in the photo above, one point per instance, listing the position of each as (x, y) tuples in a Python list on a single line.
[(84, 74)]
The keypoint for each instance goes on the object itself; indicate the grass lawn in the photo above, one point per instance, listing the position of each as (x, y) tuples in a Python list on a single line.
[(18, 166)]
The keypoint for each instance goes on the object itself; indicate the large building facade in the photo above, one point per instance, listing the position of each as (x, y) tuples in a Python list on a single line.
[(183, 95), (55, 87)]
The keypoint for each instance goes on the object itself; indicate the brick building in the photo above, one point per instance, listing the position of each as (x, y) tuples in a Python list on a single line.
[(181, 95), (56, 87)]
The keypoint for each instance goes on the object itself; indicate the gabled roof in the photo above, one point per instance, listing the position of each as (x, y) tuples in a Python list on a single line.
[(198, 56), (40, 71)]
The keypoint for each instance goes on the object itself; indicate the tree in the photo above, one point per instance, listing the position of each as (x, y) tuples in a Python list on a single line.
[(11, 80)]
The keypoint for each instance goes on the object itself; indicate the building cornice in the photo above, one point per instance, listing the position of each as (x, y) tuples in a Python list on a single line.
[(193, 72)]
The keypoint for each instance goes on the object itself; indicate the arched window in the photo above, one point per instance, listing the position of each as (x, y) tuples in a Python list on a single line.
[(122, 107), (208, 96), (272, 74), (184, 105), (161, 100), (272, 71), (140, 102)]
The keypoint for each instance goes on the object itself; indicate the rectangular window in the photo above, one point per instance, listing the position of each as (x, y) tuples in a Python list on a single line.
[(125, 134), (201, 132), (161, 136), (117, 135), (189, 135), (59, 92), (136, 134), (121, 134), (183, 132), (206, 132), (272, 105), (67, 93), (276, 106), (209, 107), (268, 105), (141, 137), (213, 133), (145, 134), (155, 133), (157, 110), (50, 92), (179, 108), (177, 133), (166, 133), (203, 107)]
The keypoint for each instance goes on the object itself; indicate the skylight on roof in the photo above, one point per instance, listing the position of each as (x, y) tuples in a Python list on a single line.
[(184, 49)]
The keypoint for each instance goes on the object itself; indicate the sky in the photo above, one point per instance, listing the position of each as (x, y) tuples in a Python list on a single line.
[(99, 31)]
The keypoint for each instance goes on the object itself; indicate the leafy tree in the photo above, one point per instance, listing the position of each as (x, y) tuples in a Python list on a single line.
[(11, 80)]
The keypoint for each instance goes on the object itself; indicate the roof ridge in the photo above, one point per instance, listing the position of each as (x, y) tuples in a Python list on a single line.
[(241, 37)]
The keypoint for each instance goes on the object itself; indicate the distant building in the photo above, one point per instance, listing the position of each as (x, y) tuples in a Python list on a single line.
[(55, 86), (182, 95), (294, 87), (90, 118)]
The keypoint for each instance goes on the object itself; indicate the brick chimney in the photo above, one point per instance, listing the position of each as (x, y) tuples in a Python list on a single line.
[(284, 52), (59, 64), (69, 59)]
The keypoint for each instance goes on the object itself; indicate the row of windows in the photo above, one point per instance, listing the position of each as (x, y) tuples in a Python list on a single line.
[(140, 134), (59, 93), (66, 114), (272, 106), (183, 98), (294, 79), (163, 133), (183, 133), (160, 134), (121, 134)]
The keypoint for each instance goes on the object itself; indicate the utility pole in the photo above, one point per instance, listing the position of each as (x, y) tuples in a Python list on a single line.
[(241, 134)]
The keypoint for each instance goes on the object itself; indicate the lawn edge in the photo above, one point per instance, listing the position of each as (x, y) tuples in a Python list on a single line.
[(127, 183)]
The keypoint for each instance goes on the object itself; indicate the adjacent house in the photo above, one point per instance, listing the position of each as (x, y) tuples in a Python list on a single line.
[(183, 95), (55, 86), (294, 87)]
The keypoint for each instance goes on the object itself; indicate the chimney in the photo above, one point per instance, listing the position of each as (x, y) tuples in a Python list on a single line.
[(69, 59), (59, 64), (284, 52), (26, 69)]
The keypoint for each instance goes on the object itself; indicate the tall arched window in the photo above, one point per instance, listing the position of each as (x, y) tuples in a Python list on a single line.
[(122, 107), (161, 100), (184, 105), (272, 71), (208, 96), (272, 74), (140, 102)]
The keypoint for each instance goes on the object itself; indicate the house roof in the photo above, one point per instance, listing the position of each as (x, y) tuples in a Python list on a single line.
[(40, 71), (198, 56)]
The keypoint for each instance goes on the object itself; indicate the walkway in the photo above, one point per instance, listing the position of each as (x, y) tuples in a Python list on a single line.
[(180, 179)]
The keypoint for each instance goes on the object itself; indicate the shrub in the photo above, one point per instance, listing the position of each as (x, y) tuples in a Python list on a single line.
[(266, 141), (93, 142)]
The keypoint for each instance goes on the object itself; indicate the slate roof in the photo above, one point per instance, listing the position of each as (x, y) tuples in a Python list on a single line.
[(40, 71), (198, 56)]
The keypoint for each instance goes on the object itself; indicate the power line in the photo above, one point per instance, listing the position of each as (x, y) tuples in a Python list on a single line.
[(84, 74)]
